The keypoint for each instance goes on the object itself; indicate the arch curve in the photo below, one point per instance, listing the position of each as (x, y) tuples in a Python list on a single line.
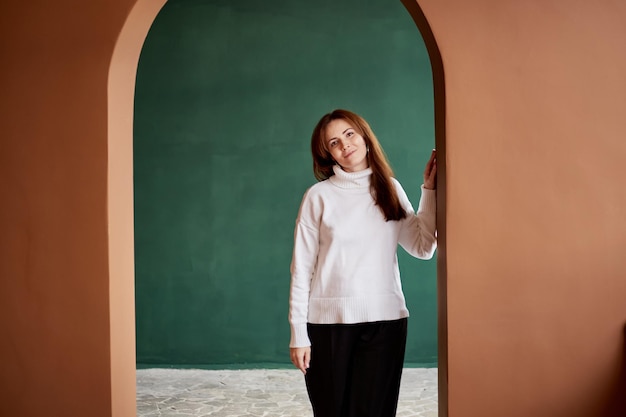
[(121, 92), (440, 143)]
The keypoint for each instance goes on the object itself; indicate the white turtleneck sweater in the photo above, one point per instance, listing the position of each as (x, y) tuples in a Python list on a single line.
[(345, 267)]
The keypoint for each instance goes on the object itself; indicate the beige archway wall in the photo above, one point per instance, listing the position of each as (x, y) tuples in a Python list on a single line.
[(121, 91), (535, 214), (66, 271)]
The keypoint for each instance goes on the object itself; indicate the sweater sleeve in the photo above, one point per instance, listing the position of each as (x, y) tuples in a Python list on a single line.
[(418, 233), (303, 264)]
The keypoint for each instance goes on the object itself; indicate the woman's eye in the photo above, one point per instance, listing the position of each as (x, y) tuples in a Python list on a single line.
[(333, 144), (349, 134)]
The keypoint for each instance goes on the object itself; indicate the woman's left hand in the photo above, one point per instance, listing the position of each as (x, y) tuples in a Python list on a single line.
[(430, 173)]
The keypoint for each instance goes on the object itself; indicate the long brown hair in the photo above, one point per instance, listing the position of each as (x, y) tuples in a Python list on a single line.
[(381, 186)]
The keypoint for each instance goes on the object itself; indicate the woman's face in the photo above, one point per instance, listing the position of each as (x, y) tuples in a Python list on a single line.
[(346, 146)]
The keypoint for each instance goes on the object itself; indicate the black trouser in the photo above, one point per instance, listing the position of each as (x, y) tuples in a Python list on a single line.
[(355, 369)]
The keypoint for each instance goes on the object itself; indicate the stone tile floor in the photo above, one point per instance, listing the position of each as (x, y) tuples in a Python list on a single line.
[(258, 393)]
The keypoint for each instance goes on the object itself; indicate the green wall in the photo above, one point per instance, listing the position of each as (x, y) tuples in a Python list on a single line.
[(227, 95)]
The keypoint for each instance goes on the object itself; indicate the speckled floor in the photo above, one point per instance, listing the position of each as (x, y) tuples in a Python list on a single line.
[(258, 393)]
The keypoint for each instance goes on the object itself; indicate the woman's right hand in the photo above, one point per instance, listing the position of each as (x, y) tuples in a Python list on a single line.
[(301, 357)]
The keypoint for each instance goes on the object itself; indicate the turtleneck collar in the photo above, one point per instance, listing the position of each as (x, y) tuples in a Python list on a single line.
[(351, 180)]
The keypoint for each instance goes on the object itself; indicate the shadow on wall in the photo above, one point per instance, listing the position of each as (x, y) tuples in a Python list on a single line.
[(617, 403)]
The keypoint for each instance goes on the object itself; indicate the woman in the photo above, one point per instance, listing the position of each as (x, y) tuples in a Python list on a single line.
[(347, 311)]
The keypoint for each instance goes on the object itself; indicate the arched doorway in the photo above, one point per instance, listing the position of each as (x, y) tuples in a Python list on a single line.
[(121, 91)]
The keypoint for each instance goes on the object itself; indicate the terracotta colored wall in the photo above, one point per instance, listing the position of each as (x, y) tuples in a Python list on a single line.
[(121, 93), (59, 351), (535, 199)]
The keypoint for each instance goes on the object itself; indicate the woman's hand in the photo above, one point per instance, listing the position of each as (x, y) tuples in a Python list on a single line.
[(301, 357), (430, 173)]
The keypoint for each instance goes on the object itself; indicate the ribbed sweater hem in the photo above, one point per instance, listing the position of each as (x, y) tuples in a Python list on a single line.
[(344, 310)]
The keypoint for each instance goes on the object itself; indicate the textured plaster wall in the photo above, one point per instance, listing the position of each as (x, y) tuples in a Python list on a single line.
[(66, 306), (535, 212)]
